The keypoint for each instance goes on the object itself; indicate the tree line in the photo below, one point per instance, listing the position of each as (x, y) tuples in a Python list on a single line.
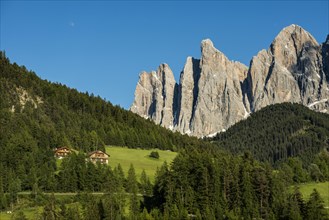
[(197, 185)]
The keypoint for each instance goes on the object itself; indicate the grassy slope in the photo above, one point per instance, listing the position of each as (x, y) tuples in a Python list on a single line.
[(139, 158), (323, 188), (125, 156), (29, 213)]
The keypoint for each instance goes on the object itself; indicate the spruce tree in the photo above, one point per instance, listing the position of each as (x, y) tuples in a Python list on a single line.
[(49, 211), (132, 188), (295, 206), (3, 198), (315, 207), (91, 209), (73, 212), (145, 183)]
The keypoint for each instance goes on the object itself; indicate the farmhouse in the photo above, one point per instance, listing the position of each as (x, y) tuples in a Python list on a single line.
[(62, 152), (99, 156)]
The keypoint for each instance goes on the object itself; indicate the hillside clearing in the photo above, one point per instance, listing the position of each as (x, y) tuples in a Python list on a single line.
[(323, 188), (139, 158)]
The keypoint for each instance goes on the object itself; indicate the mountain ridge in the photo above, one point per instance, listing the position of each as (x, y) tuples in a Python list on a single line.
[(278, 132), (213, 92)]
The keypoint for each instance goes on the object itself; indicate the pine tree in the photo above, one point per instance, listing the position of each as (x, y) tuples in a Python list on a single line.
[(146, 186), (73, 212), (119, 175), (294, 210), (297, 196), (63, 211), (13, 189), (247, 195), (278, 195), (49, 211), (115, 195), (315, 207), (132, 188), (145, 215), (261, 187), (3, 199), (91, 209)]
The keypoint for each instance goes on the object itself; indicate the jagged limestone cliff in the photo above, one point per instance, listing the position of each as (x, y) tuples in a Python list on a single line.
[(214, 93)]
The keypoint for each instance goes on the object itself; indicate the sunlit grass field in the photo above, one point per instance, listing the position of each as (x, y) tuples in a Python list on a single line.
[(125, 156), (323, 188), (30, 213), (139, 158)]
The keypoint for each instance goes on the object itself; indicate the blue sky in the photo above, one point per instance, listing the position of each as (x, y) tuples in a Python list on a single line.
[(102, 46)]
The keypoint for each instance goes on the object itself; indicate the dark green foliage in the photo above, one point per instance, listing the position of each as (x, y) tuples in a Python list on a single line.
[(19, 215), (93, 209), (49, 211), (57, 115), (73, 212), (200, 182), (315, 207), (203, 182), (132, 189), (278, 132), (75, 174), (154, 154), (217, 185), (37, 116), (145, 185), (322, 162)]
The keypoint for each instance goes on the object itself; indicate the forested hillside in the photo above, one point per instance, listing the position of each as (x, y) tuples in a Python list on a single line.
[(54, 115), (278, 132), (203, 182), (218, 185), (37, 116)]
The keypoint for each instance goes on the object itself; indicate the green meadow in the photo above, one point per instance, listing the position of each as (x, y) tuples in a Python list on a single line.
[(323, 188), (139, 158), (29, 212)]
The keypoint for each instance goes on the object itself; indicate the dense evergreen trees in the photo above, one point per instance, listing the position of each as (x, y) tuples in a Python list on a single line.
[(203, 182), (219, 186), (315, 208), (46, 114), (278, 132), (37, 116), (197, 185)]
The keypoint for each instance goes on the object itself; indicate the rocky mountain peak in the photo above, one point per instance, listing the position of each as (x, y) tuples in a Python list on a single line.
[(214, 92), (295, 32), (289, 71), (154, 95), (163, 67), (290, 42), (207, 43), (209, 54)]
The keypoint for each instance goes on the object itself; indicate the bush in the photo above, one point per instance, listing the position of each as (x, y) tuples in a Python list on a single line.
[(154, 154)]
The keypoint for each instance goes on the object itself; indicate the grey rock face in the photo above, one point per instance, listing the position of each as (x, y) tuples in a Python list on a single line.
[(214, 93), (219, 103), (325, 57), (187, 95), (154, 96), (289, 71)]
